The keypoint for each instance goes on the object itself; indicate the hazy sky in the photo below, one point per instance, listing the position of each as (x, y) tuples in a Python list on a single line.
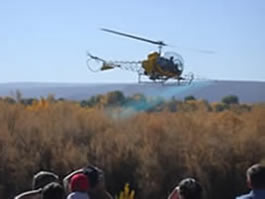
[(47, 40)]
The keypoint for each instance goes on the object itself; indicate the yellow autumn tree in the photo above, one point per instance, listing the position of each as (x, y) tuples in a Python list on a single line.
[(127, 193)]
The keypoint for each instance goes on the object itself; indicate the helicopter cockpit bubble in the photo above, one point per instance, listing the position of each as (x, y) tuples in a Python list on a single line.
[(171, 62)]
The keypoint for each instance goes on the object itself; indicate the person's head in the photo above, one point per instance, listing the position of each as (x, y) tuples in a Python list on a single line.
[(95, 177), (79, 183), (52, 191), (189, 188), (256, 176), (43, 178)]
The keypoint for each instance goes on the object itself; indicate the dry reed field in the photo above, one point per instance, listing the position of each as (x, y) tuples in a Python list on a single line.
[(150, 150)]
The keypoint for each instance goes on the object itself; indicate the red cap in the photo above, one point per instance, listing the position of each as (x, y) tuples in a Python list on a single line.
[(79, 182)]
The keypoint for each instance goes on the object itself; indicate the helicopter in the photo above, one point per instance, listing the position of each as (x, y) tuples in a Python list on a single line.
[(158, 67)]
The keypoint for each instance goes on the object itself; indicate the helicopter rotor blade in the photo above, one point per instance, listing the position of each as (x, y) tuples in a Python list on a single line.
[(161, 43)]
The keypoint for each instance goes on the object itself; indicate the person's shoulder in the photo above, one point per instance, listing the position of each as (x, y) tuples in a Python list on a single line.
[(70, 195), (173, 194), (34, 194), (78, 195), (108, 195), (245, 196)]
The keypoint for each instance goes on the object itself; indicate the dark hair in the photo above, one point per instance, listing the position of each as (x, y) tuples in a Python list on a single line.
[(189, 188), (256, 175), (94, 174), (43, 178), (53, 191)]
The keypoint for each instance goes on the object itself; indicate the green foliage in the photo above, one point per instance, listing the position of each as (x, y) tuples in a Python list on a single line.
[(27, 101), (190, 97), (9, 100), (115, 98), (219, 107), (231, 99)]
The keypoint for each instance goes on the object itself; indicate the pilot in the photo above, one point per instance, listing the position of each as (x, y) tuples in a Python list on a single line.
[(167, 64), (171, 64), (171, 59)]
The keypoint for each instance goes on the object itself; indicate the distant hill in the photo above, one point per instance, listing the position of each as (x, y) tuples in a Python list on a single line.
[(248, 92)]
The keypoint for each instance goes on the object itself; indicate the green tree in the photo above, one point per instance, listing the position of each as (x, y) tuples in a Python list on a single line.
[(188, 98), (9, 100), (230, 99), (221, 107), (115, 98), (27, 101)]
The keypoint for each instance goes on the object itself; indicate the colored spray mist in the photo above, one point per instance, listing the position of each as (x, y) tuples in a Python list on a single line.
[(157, 94)]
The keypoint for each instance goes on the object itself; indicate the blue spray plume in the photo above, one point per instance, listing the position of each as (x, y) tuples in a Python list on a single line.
[(135, 106), (169, 91), (157, 95)]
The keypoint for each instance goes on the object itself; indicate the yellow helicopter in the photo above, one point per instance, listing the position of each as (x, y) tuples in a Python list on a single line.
[(158, 67)]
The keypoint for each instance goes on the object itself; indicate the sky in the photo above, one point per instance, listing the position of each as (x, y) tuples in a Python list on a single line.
[(47, 41)]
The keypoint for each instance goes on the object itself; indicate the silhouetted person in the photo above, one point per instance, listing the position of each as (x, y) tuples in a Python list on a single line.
[(256, 182), (188, 188), (53, 191), (96, 180), (79, 187), (41, 179)]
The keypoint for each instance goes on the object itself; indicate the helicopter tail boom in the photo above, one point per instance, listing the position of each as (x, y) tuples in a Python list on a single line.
[(97, 64)]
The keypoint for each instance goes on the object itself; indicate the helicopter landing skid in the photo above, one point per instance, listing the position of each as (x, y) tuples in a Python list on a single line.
[(183, 81)]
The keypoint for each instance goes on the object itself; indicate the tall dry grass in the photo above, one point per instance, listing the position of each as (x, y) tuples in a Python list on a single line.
[(151, 151)]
